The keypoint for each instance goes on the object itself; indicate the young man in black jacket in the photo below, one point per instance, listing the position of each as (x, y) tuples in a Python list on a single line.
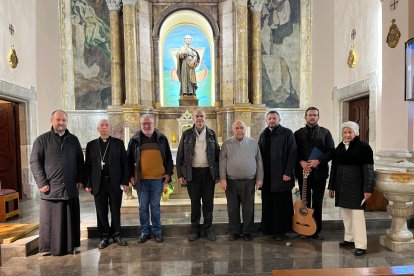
[(315, 146)]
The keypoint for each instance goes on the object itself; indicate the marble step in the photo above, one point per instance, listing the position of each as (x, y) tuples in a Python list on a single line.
[(133, 231), (20, 248), (130, 206)]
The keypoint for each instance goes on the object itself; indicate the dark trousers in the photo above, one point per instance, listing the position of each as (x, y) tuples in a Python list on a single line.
[(107, 197), (240, 192), (201, 188), (314, 197)]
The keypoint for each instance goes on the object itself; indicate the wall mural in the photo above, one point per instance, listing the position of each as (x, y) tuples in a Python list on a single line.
[(171, 85), (281, 53), (91, 54)]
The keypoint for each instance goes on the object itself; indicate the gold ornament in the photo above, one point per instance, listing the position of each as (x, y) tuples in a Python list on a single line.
[(352, 58), (12, 58), (393, 36), (173, 138)]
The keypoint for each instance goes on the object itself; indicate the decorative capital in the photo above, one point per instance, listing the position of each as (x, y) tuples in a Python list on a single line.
[(240, 2), (129, 2), (256, 5), (113, 5)]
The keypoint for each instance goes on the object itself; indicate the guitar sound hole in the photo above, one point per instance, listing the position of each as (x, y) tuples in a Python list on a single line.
[(303, 211)]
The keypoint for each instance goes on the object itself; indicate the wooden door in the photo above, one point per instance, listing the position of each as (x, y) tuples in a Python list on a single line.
[(9, 147), (359, 113)]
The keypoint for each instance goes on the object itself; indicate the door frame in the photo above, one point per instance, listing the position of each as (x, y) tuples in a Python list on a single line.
[(27, 126), (341, 97)]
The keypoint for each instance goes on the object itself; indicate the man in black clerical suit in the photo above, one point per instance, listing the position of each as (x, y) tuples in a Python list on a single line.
[(106, 177)]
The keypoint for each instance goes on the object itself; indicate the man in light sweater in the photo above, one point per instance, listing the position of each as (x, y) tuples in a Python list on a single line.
[(241, 169)]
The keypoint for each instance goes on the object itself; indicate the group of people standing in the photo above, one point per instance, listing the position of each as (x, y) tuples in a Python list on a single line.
[(241, 166)]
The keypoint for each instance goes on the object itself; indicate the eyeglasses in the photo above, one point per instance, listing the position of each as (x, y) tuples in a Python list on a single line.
[(147, 124)]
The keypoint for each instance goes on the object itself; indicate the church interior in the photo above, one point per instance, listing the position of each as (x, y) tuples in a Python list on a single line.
[(117, 60)]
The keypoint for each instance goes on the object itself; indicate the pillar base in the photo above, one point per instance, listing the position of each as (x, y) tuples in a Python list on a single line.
[(396, 246), (188, 100)]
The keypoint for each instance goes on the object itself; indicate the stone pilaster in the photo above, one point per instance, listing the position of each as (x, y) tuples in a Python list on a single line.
[(256, 11), (130, 50), (253, 116), (130, 117), (114, 7), (241, 68)]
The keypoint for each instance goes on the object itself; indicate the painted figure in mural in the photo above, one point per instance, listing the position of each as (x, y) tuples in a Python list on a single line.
[(281, 12), (187, 60), (91, 54)]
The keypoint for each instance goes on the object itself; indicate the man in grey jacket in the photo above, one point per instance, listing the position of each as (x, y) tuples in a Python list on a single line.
[(241, 169), (57, 166)]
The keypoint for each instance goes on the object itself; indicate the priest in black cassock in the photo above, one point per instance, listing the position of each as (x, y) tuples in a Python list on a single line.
[(106, 177), (57, 166), (279, 152)]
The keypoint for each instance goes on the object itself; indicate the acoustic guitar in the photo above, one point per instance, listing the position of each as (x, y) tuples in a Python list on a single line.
[(303, 220)]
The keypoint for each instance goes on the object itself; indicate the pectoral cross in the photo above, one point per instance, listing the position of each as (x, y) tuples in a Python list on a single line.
[(102, 164)]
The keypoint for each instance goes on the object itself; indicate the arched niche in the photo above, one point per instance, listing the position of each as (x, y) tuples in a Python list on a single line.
[(172, 33), (172, 17)]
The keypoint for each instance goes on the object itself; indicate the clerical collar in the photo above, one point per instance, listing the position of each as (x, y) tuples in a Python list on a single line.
[(274, 128), (308, 126), (105, 140)]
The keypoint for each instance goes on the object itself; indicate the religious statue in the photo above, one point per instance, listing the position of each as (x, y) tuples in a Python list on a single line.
[(187, 60)]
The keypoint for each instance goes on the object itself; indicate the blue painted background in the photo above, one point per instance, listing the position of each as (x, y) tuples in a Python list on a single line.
[(175, 39)]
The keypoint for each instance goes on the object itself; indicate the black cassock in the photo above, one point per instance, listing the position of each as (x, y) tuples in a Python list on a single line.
[(59, 229)]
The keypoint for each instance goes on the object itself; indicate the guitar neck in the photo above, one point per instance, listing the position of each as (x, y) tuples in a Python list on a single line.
[(304, 190)]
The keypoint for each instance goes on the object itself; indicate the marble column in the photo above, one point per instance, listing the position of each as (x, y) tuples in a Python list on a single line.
[(130, 50), (241, 61), (157, 96), (256, 11), (114, 7)]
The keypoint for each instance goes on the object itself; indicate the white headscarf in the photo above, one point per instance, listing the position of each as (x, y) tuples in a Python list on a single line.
[(352, 125)]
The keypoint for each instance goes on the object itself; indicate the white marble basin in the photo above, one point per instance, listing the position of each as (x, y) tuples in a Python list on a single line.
[(397, 186)]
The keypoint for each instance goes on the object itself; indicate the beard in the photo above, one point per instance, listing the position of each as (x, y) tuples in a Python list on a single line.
[(60, 129), (272, 125)]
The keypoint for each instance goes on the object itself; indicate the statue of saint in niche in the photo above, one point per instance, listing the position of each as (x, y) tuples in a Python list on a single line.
[(187, 60)]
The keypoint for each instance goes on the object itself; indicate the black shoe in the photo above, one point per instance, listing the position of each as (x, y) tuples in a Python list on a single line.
[(210, 235), (346, 244), (360, 252), (318, 236), (104, 243), (247, 237), (193, 236), (159, 238), (233, 237), (143, 238), (120, 241)]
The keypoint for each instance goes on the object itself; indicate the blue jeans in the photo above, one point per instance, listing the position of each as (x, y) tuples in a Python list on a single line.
[(149, 196)]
